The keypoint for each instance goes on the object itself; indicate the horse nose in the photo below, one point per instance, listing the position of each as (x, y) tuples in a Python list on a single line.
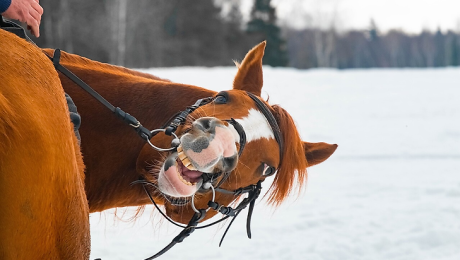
[(206, 124)]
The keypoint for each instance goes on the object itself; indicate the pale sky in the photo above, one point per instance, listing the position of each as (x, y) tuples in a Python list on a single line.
[(409, 15)]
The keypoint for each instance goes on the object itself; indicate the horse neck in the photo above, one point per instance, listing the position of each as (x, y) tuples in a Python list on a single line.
[(109, 146)]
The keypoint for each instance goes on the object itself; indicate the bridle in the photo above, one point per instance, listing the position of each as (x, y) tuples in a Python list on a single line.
[(252, 190)]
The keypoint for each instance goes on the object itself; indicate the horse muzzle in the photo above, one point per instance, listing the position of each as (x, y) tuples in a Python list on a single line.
[(209, 147)]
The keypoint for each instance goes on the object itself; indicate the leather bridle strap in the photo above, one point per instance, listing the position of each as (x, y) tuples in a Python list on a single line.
[(239, 129), (182, 117), (271, 120), (143, 132)]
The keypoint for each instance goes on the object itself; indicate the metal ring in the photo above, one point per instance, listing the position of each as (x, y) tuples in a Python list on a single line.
[(158, 148), (213, 198)]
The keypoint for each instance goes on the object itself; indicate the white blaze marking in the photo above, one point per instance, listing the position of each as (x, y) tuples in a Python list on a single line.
[(255, 125)]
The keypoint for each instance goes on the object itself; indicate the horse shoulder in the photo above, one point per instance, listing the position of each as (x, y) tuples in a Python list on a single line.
[(44, 213)]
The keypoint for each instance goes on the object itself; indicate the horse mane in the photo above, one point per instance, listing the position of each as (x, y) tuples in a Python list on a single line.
[(82, 62), (293, 167)]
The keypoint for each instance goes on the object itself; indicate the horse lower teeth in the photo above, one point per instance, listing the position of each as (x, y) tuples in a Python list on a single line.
[(184, 180)]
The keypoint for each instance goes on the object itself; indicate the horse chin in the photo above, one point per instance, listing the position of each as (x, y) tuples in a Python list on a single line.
[(176, 180)]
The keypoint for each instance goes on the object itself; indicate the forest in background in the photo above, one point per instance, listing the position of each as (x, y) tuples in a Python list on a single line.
[(166, 33)]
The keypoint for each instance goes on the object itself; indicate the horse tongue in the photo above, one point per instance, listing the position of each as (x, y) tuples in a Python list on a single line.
[(189, 175)]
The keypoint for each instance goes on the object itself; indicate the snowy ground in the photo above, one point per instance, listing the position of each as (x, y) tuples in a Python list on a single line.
[(391, 190)]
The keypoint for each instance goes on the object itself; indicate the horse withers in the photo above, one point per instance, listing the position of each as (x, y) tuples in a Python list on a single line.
[(44, 210)]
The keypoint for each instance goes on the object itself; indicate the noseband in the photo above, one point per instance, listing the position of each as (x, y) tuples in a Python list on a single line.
[(253, 190)]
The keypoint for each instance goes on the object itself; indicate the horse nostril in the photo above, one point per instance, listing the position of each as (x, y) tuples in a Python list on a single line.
[(229, 163), (205, 124)]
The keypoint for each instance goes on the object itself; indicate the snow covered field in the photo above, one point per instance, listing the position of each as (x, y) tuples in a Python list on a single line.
[(391, 190)]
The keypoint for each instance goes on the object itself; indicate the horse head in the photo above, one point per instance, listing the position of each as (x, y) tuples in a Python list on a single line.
[(233, 141)]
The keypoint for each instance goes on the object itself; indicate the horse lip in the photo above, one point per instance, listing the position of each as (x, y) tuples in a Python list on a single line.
[(176, 201)]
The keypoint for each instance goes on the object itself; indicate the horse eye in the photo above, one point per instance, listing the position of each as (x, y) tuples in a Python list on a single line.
[(268, 170), (221, 98)]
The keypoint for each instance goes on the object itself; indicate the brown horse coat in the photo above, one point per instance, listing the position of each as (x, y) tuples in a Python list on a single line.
[(44, 210)]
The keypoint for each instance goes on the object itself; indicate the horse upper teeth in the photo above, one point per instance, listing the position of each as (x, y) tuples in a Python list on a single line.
[(185, 161), (191, 167), (181, 155)]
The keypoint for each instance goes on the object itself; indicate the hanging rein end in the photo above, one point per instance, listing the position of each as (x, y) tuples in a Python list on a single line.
[(254, 193), (192, 224)]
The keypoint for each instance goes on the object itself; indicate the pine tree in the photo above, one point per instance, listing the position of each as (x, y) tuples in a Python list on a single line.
[(263, 24), (455, 52), (373, 31)]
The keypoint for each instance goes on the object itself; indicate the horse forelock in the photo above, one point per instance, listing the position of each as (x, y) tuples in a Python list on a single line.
[(292, 172)]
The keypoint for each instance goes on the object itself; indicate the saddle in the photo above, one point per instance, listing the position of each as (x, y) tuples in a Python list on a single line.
[(75, 117)]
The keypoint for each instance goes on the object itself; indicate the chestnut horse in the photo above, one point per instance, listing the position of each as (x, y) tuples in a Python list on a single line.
[(115, 156), (44, 210)]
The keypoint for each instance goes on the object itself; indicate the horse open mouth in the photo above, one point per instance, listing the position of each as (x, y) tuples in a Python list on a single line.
[(182, 181), (176, 179), (203, 151), (187, 176)]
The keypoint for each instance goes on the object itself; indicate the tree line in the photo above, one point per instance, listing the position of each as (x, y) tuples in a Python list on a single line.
[(145, 33), (311, 48), (165, 33)]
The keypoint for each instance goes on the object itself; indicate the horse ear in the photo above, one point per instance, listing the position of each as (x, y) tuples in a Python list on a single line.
[(249, 76), (318, 152)]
